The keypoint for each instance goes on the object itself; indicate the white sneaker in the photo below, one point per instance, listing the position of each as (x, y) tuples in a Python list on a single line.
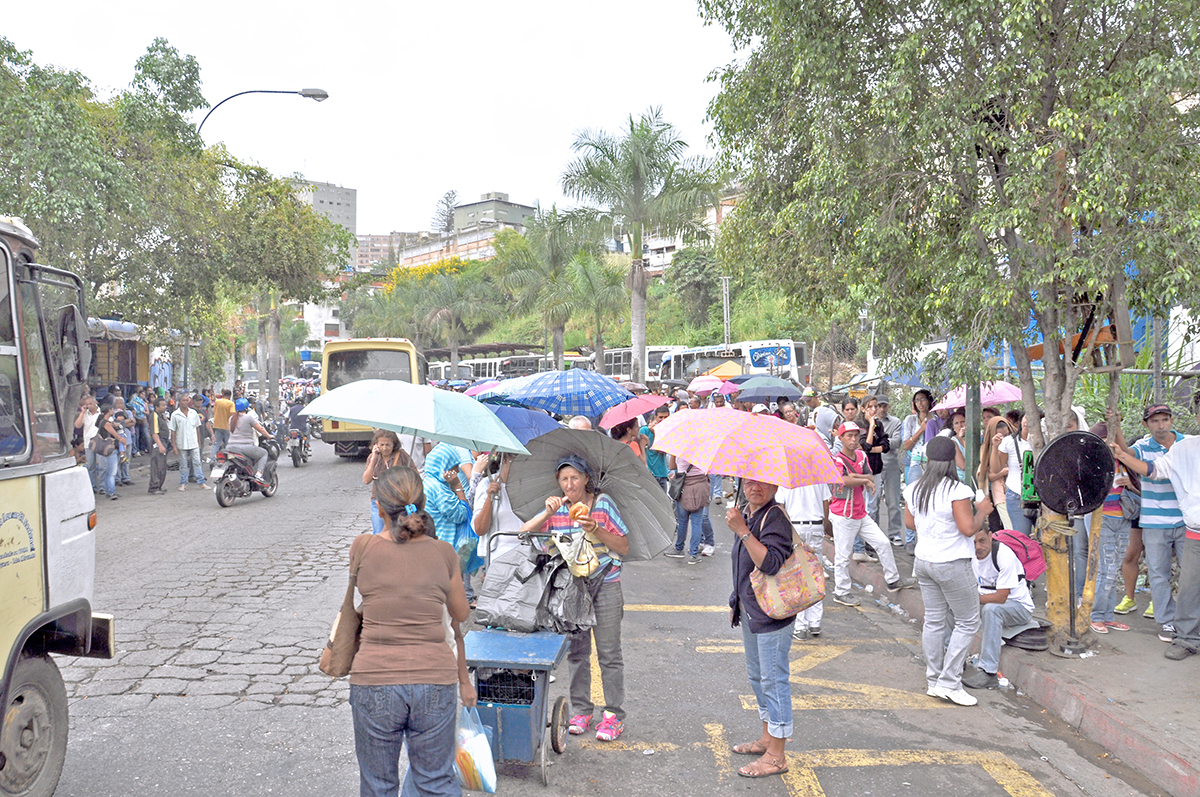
[(863, 557), (959, 696), (706, 550)]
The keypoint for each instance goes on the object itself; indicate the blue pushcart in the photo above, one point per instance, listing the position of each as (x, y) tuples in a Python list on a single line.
[(512, 677)]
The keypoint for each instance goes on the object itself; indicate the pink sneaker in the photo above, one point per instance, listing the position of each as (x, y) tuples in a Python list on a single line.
[(579, 724), (1117, 626), (609, 728)]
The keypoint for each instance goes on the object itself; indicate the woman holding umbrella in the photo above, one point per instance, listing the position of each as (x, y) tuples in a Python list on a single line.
[(602, 523), (764, 541)]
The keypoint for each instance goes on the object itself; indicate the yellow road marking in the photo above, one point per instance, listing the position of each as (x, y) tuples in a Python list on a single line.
[(650, 607), (801, 778), (730, 648), (718, 742), (635, 747), (817, 657), (901, 700)]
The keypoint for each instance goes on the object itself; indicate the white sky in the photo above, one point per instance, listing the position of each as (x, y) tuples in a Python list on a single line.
[(424, 96)]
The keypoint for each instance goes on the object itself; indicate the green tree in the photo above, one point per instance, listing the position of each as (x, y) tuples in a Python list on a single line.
[(968, 167), (454, 304), (642, 179), (599, 283), (443, 214), (694, 277)]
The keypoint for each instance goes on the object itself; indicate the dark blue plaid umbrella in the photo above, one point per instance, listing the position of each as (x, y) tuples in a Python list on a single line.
[(573, 392)]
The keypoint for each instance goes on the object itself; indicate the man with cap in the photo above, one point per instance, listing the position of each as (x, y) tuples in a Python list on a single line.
[(821, 417), (849, 518), (1179, 467)]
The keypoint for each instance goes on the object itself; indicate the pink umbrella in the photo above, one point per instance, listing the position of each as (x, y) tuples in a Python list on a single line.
[(628, 410), (482, 387), (729, 388), (703, 385), (760, 447), (992, 393)]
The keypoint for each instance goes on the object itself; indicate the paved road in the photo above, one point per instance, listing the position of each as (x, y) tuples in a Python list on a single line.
[(220, 614)]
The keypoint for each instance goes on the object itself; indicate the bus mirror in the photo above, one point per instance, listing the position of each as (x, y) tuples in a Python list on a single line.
[(74, 345)]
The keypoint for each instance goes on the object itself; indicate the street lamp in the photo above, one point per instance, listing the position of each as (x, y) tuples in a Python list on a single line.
[(320, 95)]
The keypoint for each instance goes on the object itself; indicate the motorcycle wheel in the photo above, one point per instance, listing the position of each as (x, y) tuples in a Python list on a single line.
[(225, 492), (296, 456), (272, 485)]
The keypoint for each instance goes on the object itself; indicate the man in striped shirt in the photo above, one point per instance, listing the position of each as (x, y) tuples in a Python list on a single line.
[(1161, 519)]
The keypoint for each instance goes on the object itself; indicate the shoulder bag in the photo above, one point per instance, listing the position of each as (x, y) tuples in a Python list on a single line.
[(338, 654), (102, 446), (675, 485), (800, 582)]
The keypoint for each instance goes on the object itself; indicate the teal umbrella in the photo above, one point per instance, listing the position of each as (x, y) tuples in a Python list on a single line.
[(419, 410)]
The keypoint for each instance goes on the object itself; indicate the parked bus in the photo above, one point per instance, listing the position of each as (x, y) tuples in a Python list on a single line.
[(440, 369), (48, 520), (783, 358), (526, 364), (346, 361), (618, 363)]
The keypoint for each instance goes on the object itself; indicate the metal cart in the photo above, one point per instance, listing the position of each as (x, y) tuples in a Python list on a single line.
[(514, 692)]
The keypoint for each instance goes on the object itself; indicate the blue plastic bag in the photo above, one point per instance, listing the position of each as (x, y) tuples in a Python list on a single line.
[(473, 753)]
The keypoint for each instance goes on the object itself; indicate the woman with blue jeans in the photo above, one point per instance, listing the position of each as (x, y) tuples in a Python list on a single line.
[(690, 510), (764, 541), (405, 679), (107, 465), (938, 507), (1008, 452)]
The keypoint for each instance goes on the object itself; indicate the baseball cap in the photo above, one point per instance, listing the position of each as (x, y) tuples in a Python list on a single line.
[(808, 391), (848, 426), (759, 408), (883, 400), (1155, 409)]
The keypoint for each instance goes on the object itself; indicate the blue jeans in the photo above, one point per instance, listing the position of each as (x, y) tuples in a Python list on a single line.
[(682, 518), (108, 467), (376, 520), (190, 457), (951, 596), (994, 617), (1083, 526), (1016, 514), (1114, 539), (385, 717), (706, 532), (767, 668), (220, 440), (95, 468), (1160, 544), (1187, 612), (663, 482)]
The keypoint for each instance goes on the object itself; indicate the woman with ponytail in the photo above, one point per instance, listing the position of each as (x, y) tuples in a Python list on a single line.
[(402, 682)]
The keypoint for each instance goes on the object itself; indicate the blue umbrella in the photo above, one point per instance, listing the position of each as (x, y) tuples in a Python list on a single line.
[(573, 392), (525, 424)]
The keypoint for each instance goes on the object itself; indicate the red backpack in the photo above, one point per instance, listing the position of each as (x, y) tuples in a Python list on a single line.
[(1027, 549)]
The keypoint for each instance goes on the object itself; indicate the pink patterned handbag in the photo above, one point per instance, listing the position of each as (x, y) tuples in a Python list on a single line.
[(800, 583)]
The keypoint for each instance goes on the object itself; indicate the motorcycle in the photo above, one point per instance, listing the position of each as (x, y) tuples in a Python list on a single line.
[(298, 447), (314, 428), (233, 474)]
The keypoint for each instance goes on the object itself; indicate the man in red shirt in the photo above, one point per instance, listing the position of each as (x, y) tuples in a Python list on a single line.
[(848, 515)]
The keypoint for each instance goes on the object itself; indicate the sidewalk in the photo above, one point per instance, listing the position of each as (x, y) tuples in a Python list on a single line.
[(1127, 697)]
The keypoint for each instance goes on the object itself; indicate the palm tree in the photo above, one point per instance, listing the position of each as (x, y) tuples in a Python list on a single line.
[(453, 302), (599, 283), (644, 181), (535, 268)]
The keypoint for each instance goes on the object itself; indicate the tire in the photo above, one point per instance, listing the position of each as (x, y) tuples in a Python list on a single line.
[(225, 492), (558, 725), (272, 485), (33, 739), (296, 457)]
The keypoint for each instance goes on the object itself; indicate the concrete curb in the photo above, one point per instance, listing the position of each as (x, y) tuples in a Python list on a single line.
[(1168, 763)]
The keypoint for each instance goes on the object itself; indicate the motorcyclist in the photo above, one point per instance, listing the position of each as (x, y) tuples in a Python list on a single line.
[(242, 426), (296, 421)]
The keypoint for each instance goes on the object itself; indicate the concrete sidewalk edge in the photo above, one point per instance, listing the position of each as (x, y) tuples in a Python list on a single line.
[(1168, 763)]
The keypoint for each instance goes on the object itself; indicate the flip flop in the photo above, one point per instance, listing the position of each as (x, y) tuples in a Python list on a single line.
[(749, 748), (763, 768)]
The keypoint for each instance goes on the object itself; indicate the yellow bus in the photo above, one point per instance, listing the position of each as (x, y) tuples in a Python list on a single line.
[(346, 361), (47, 512)]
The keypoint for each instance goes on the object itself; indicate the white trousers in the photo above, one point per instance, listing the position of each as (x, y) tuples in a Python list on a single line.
[(844, 532)]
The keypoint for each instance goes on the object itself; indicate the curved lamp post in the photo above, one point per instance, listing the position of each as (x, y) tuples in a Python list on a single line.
[(320, 95)]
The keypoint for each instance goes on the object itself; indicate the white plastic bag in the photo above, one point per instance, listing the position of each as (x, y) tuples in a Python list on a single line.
[(473, 753)]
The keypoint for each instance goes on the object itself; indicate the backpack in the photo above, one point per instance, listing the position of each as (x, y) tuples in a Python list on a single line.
[(1028, 551)]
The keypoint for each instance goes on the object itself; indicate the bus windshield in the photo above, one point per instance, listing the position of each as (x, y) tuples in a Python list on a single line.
[(350, 366)]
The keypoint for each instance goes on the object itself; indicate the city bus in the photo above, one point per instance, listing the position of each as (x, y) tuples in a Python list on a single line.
[(783, 358), (526, 364), (618, 363), (440, 369), (346, 361), (47, 512)]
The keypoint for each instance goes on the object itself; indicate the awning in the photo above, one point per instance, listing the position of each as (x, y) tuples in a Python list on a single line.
[(727, 369), (109, 329), (1106, 334)]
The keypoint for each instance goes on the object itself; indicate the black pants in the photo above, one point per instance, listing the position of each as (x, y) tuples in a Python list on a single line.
[(158, 469)]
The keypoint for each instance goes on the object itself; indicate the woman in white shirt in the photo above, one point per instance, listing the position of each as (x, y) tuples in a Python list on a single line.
[(1007, 451), (938, 506)]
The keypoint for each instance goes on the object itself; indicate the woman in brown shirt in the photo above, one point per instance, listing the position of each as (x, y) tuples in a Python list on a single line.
[(385, 453), (402, 682)]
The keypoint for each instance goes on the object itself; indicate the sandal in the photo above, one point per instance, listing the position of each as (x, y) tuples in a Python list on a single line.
[(755, 747), (764, 767)]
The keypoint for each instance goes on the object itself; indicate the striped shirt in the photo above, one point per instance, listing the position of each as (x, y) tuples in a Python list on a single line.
[(607, 516), (1160, 505)]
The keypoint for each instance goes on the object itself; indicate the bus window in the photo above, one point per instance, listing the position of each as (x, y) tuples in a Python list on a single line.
[(13, 443), (350, 366), (48, 431)]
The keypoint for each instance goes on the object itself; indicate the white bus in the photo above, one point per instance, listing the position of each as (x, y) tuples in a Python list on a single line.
[(618, 363), (783, 358), (440, 369)]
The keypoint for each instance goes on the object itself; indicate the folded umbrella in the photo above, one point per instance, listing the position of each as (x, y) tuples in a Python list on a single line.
[(990, 393), (760, 447), (421, 410), (573, 392), (627, 411), (647, 512)]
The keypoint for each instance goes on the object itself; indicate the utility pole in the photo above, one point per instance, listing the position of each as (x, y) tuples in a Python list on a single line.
[(1157, 367), (725, 299)]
